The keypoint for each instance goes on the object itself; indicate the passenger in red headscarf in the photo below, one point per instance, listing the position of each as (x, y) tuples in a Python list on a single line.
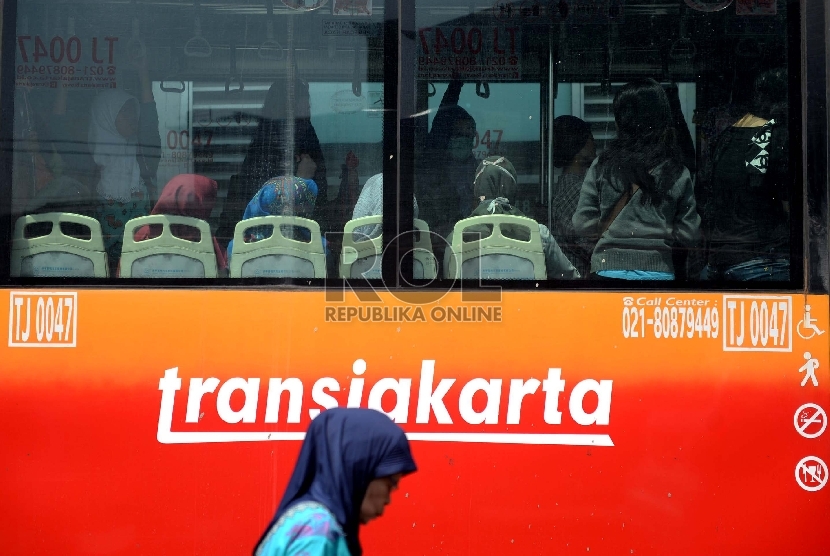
[(186, 195)]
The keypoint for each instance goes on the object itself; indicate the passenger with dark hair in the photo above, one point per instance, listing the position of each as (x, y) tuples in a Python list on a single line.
[(447, 169), (746, 199), (573, 151), (637, 201), (272, 153), (495, 189)]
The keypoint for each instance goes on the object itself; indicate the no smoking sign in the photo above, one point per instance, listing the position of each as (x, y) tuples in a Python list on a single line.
[(810, 420)]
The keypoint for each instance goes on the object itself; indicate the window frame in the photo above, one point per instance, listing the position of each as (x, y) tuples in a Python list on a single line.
[(811, 196), (808, 59)]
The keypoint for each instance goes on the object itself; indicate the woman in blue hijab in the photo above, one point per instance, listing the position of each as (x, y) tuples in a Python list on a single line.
[(350, 462), (283, 196)]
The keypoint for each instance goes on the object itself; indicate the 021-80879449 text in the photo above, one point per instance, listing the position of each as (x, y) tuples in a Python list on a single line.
[(671, 322)]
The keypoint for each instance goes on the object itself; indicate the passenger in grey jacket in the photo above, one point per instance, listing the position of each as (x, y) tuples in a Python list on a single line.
[(645, 164)]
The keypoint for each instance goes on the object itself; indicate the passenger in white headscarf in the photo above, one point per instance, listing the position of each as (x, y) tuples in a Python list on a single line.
[(125, 144), (113, 140), (495, 187), (370, 203)]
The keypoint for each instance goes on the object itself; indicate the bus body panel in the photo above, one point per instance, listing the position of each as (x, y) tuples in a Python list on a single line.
[(574, 427)]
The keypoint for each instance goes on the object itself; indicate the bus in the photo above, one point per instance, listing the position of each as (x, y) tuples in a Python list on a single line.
[(219, 218)]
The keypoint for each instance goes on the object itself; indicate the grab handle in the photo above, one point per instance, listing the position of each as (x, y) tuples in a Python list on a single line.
[(181, 89), (240, 86), (357, 86), (270, 49), (302, 5), (708, 7), (682, 49), (198, 46), (136, 48), (234, 77)]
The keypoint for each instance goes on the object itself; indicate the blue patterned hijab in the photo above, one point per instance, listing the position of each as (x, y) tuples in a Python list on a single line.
[(345, 450), (283, 196)]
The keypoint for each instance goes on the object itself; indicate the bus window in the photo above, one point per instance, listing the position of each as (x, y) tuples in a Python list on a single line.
[(512, 131), (170, 125), (634, 144)]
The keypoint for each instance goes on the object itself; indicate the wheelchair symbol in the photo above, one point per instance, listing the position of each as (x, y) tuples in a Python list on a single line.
[(807, 327)]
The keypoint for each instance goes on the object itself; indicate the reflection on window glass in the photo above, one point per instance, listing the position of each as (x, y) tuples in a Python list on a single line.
[(621, 142), (194, 140), (609, 143)]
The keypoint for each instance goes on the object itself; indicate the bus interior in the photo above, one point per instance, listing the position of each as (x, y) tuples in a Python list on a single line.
[(519, 66)]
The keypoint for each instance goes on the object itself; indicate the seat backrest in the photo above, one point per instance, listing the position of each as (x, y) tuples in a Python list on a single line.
[(56, 253), (278, 256), (167, 256), (424, 263), (497, 257), (361, 256)]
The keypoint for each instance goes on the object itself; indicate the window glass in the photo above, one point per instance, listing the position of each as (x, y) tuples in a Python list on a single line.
[(512, 131), (635, 142), (553, 140), (196, 139)]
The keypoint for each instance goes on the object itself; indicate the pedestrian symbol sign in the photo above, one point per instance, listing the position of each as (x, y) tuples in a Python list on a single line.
[(809, 369)]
